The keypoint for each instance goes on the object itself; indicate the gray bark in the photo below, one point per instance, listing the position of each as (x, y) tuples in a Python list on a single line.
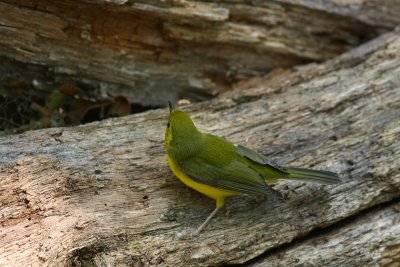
[(191, 49), (102, 194)]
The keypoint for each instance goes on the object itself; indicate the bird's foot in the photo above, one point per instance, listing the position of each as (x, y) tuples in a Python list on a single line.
[(187, 233)]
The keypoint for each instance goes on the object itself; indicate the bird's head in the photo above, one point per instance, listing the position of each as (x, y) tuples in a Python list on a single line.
[(181, 133)]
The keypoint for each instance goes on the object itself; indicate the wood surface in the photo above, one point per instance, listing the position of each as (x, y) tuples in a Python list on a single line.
[(101, 194), (150, 51)]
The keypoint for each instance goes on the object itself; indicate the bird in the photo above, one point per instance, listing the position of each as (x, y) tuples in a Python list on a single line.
[(220, 169)]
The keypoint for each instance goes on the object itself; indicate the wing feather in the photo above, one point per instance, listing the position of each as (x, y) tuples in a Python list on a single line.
[(234, 176), (258, 158)]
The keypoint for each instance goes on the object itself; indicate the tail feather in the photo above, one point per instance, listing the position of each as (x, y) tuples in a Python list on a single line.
[(321, 177)]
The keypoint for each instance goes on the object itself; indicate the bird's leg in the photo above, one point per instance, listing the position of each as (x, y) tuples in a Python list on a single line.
[(205, 223)]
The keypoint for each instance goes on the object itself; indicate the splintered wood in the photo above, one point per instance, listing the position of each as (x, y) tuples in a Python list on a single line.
[(102, 194)]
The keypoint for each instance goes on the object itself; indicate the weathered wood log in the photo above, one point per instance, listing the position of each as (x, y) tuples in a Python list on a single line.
[(194, 49), (369, 239), (102, 194)]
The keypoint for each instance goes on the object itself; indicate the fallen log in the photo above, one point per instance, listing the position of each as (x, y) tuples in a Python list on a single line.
[(102, 194), (194, 49)]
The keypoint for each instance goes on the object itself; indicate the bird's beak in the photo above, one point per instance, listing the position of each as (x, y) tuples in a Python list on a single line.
[(171, 106)]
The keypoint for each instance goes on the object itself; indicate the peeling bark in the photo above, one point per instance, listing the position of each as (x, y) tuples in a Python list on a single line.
[(102, 194), (191, 49)]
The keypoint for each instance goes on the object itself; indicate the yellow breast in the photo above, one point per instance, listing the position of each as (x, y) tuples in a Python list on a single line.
[(213, 192)]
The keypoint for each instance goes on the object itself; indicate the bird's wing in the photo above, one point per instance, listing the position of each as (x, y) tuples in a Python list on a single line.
[(234, 176), (258, 158)]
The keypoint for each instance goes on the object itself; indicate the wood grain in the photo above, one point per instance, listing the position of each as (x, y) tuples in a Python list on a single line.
[(179, 49), (102, 194)]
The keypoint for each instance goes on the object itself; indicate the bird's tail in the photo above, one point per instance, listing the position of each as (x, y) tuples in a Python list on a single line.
[(321, 177)]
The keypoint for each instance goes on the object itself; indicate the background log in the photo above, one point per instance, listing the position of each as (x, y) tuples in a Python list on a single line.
[(102, 194), (189, 49)]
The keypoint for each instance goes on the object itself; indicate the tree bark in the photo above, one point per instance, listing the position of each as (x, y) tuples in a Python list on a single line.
[(102, 194), (366, 240), (176, 48)]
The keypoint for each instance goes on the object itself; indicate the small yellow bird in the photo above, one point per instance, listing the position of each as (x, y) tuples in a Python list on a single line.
[(220, 169)]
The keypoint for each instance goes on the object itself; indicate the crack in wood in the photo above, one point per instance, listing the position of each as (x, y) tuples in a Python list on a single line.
[(319, 232)]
